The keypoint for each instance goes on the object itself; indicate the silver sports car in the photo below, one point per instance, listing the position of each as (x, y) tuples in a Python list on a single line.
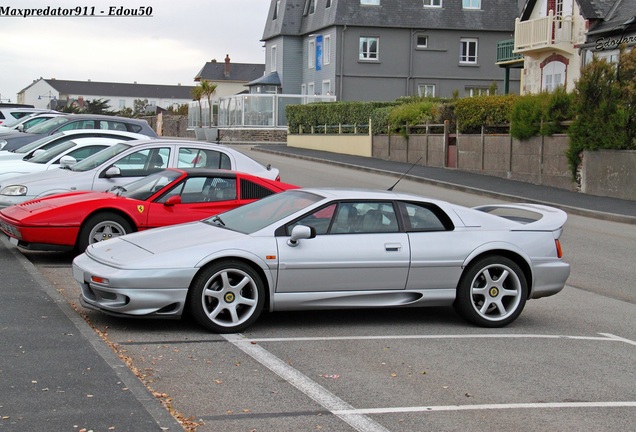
[(331, 249)]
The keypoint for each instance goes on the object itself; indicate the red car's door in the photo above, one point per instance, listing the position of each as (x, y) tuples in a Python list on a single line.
[(194, 199)]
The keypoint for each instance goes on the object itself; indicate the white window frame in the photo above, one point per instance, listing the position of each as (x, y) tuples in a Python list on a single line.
[(311, 54), (426, 90), (276, 8), (432, 3), (273, 58), (326, 87), (477, 91), (366, 54), (553, 76), (464, 51), (303, 89), (417, 41), (311, 89), (370, 2), (326, 50), (328, 5), (471, 4)]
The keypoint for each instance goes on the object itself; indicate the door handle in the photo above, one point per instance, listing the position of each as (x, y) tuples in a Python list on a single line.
[(393, 247)]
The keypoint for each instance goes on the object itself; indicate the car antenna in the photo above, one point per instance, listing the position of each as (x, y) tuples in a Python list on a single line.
[(404, 175)]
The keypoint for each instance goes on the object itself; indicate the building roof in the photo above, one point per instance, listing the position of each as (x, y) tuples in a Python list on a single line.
[(496, 15), (620, 17), (590, 9), (135, 90), (238, 72), (270, 79)]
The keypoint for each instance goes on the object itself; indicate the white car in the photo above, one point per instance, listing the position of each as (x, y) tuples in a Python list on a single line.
[(10, 113), (48, 142), (128, 161), (24, 123), (63, 155)]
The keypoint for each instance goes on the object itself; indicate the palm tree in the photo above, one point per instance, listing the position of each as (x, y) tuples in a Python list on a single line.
[(208, 88), (197, 95)]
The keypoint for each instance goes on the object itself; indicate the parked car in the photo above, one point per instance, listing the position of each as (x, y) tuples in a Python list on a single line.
[(76, 219), (75, 121), (24, 123), (62, 155), (308, 249), (10, 112), (28, 151), (128, 161)]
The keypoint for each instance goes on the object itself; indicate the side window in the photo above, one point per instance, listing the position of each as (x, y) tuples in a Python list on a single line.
[(420, 218), (112, 125), (203, 158), (320, 220), (219, 189), (79, 124), (352, 217), (143, 162), (84, 152)]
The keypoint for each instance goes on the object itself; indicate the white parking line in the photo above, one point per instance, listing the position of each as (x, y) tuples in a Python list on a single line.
[(488, 407), (310, 388), (605, 337), (357, 419)]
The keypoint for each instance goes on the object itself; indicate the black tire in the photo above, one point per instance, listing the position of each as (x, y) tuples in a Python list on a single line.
[(100, 227), (492, 292), (226, 297)]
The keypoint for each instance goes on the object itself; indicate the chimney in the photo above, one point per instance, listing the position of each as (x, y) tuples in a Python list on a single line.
[(227, 65)]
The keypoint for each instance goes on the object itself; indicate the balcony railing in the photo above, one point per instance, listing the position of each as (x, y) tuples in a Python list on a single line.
[(505, 52), (550, 32)]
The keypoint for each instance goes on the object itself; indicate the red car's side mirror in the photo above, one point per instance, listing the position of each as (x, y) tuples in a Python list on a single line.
[(173, 200)]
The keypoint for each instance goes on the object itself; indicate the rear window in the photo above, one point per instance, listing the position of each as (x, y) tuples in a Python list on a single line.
[(251, 190)]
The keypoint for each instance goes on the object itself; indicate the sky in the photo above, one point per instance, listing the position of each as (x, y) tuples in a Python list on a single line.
[(169, 47)]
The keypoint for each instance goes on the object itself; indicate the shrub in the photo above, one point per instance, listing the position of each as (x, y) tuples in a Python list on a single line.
[(474, 112)]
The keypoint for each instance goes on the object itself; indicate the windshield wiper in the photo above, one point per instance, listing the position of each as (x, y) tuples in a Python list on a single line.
[(218, 220)]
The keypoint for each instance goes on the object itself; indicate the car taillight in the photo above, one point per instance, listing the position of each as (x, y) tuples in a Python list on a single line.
[(278, 177), (558, 248)]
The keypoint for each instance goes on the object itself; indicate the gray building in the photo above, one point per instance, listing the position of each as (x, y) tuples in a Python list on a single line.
[(382, 49)]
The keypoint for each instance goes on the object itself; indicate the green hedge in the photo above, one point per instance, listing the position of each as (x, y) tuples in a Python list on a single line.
[(474, 112)]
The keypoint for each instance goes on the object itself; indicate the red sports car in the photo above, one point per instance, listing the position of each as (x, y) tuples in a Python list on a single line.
[(74, 220)]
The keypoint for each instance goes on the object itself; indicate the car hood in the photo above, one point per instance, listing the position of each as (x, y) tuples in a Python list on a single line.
[(40, 206), (19, 165), (59, 179), (174, 246)]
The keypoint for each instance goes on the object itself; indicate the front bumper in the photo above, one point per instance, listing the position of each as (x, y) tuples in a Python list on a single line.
[(137, 293)]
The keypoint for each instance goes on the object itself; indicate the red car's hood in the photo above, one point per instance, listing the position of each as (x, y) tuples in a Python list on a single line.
[(39, 205)]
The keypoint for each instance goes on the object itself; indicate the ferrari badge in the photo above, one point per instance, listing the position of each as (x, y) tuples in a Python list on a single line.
[(140, 208)]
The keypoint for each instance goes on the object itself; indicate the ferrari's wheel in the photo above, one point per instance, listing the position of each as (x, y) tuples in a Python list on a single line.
[(227, 297), (492, 292), (100, 227)]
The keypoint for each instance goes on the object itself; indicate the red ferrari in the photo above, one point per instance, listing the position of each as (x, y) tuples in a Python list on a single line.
[(74, 220)]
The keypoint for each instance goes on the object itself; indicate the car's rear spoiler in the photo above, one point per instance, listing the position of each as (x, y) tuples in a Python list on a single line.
[(531, 217)]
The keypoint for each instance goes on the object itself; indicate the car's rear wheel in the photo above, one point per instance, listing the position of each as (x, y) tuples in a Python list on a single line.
[(492, 292), (100, 227), (227, 297)]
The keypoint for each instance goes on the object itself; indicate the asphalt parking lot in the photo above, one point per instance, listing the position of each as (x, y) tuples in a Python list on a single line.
[(565, 364)]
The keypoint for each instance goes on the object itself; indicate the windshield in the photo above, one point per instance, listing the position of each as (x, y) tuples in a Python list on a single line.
[(13, 122), (99, 158), (37, 143), (144, 188), (259, 214), (52, 153), (48, 126)]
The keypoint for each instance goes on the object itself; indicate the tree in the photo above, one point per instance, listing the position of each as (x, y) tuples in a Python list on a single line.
[(97, 106), (208, 88), (197, 95), (139, 106), (604, 103)]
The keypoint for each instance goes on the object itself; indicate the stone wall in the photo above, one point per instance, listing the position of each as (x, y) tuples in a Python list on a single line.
[(609, 173), (252, 135)]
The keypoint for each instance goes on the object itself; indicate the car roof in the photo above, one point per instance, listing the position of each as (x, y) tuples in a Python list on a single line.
[(104, 117), (101, 131), (371, 194)]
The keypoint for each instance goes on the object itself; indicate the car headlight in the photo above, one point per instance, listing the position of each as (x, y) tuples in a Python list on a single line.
[(14, 190), (2, 144)]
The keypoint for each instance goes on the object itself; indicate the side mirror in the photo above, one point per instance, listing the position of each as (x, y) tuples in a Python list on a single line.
[(20, 128), (301, 232), (112, 172), (38, 152), (173, 200), (67, 161)]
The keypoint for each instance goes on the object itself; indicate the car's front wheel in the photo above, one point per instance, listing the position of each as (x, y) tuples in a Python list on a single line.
[(227, 297), (100, 227), (492, 292)]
